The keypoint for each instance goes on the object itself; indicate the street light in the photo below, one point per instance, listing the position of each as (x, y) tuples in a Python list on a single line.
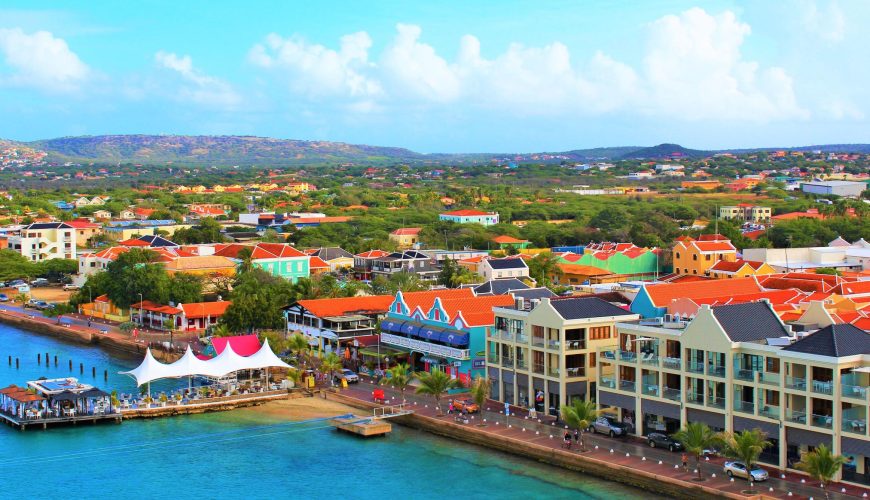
[(140, 309)]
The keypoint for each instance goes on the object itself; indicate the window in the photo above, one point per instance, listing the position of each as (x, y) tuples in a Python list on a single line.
[(592, 360), (694, 257), (678, 255), (708, 257), (599, 332)]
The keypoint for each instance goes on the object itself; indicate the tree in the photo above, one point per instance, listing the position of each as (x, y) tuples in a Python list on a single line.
[(821, 465), (402, 281), (136, 272), (185, 288), (580, 414), (299, 346), (258, 299), (697, 437), (435, 384), (543, 267), (270, 236), (745, 446), (13, 266), (480, 391), (58, 310), (329, 365), (399, 378), (56, 269)]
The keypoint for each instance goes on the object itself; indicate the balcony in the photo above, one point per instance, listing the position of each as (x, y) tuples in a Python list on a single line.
[(522, 364), (695, 398), (770, 412), (650, 389), (553, 345), (672, 394), (823, 421), (575, 345), (695, 367), (425, 347), (575, 371), (823, 387), (627, 385), (492, 358), (538, 368), (538, 341), (672, 363), (796, 416), (522, 339), (716, 371), (609, 355), (855, 425), (607, 382), (507, 336), (716, 402), (507, 361), (744, 407), (854, 392), (798, 383), (769, 378), (553, 372), (741, 374), (649, 359), (629, 356)]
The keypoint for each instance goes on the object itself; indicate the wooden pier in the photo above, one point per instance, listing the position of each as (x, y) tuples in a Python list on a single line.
[(44, 422), (362, 426)]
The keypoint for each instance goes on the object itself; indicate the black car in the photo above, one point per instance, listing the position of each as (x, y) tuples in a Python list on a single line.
[(660, 440)]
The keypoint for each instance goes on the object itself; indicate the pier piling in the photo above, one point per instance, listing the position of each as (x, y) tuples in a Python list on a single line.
[(105, 374), (38, 358), (17, 364), (47, 360), (55, 360), (94, 371), (70, 365), (81, 367), (10, 360)]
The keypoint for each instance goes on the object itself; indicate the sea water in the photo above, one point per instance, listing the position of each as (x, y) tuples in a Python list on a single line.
[(245, 453)]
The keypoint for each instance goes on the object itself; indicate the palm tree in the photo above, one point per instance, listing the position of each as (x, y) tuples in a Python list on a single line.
[(580, 414), (330, 364), (543, 267), (745, 446), (697, 437), (400, 378), (821, 465), (295, 376), (221, 330), (480, 392), (299, 347), (435, 384)]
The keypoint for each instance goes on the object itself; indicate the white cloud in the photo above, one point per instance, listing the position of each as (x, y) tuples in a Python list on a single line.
[(41, 60), (416, 69), (827, 22), (317, 71), (196, 86)]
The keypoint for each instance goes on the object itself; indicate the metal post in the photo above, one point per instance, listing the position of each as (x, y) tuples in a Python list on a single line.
[(140, 309)]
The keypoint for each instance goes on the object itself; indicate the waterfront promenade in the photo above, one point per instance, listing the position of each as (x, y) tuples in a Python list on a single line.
[(627, 455)]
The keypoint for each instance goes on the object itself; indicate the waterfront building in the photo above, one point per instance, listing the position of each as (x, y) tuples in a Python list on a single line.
[(543, 350), (470, 217), (697, 256), (406, 237), (45, 241), (338, 320), (103, 308), (738, 367), (278, 259), (192, 317), (442, 329)]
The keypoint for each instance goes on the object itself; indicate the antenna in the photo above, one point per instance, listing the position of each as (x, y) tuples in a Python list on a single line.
[(717, 220)]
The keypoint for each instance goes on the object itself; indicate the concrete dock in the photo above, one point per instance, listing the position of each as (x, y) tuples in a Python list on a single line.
[(362, 426)]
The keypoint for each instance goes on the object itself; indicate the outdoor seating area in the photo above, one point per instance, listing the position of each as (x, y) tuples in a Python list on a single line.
[(54, 401)]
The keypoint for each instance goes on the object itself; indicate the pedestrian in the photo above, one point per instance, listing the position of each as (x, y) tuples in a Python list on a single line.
[(450, 408), (89, 323), (685, 459), (576, 437), (567, 440)]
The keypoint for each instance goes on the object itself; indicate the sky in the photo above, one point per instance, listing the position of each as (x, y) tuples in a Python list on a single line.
[(447, 76)]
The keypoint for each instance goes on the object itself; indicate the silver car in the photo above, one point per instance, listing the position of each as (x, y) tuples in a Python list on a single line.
[(738, 469)]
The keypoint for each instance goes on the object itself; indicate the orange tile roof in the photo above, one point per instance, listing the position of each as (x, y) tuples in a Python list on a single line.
[(775, 297), (662, 294), (407, 231), (315, 262), (82, 224), (476, 311), (205, 309), (373, 254), (508, 239), (147, 305), (853, 288), (372, 304), (715, 246), (133, 242), (425, 299), (733, 267), (259, 251), (582, 270), (144, 211)]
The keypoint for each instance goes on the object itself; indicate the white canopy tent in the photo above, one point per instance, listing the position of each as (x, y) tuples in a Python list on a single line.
[(188, 365)]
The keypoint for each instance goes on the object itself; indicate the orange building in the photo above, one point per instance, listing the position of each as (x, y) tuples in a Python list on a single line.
[(696, 257)]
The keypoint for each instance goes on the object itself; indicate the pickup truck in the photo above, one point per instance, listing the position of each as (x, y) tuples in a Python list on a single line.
[(609, 426)]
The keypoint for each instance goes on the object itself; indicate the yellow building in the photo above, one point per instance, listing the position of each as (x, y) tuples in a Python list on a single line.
[(740, 268), (202, 265), (406, 237), (696, 257), (103, 308)]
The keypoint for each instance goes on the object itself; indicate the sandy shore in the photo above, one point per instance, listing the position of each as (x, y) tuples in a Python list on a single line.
[(304, 408)]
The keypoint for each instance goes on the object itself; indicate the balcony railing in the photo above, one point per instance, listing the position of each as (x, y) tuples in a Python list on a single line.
[(770, 412), (507, 361), (507, 336), (855, 425), (553, 372), (695, 367), (823, 387), (854, 391), (695, 398), (630, 356), (716, 402), (575, 371), (538, 368), (522, 339), (798, 383), (823, 421), (649, 359), (744, 406), (553, 345), (608, 382), (425, 347), (575, 345), (522, 364), (611, 355), (492, 358), (742, 374), (769, 378), (716, 371), (538, 341), (650, 389), (672, 363), (796, 416), (672, 394), (627, 385)]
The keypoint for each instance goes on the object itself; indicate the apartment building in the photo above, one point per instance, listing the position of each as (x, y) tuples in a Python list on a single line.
[(509, 267), (544, 350), (44, 241), (697, 256), (738, 367), (746, 212)]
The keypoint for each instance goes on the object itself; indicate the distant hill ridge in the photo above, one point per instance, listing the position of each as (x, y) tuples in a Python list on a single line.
[(251, 150)]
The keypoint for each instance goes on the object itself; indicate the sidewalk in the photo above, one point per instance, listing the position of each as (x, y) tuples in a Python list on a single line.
[(633, 453)]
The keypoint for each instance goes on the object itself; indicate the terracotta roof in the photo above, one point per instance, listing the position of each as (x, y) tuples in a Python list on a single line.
[(147, 305), (102, 298), (476, 311), (467, 213), (663, 294), (200, 262), (715, 246), (508, 239), (315, 262), (712, 237), (205, 210), (373, 254), (425, 299), (732, 267), (134, 242), (754, 235), (259, 251), (407, 231), (581, 269), (372, 304), (82, 224), (205, 309), (853, 288), (144, 211)]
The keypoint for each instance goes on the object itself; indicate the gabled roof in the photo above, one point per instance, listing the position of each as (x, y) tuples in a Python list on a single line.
[(714, 246), (49, 225), (507, 239), (371, 304), (467, 213), (534, 293), (586, 307), (749, 321), (853, 288), (733, 267), (500, 286), (155, 241), (330, 253), (372, 254), (259, 251), (147, 305), (476, 311), (583, 270), (134, 242), (205, 309), (425, 299), (835, 341), (662, 294), (507, 263), (407, 231), (82, 224), (315, 262)]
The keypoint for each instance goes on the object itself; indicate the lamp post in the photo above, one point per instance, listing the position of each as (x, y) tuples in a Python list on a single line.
[(140, 309)]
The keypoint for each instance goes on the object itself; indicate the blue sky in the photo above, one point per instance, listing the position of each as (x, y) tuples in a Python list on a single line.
[(452, 76)]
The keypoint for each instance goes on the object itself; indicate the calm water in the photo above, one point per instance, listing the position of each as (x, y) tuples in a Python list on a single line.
[(244, 453)]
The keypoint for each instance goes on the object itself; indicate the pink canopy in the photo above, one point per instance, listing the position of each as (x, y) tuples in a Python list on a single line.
[(243, 345)]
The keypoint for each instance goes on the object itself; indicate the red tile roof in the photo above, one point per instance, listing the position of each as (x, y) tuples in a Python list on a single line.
[(425, 299), (507, 239), (133, 242), (147, 305), (373, 254), (583, 270), (662, 294), (205, 309), (715, 246), (372, 304), (82, 224), (467, 213), (315, 262), (407, 231), (476, 311), (853, 288), (733, 267)]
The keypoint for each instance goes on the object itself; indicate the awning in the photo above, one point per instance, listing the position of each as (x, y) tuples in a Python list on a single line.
[(433, 361), (454, 338), (391, 325), (410, 329), (66, 396), (659, 408), (95, 393), (614, 399), (430, 333), (747, 424)]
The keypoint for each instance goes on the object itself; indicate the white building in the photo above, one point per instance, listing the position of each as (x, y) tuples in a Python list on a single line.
[(835, 188), (496, 269), (44, 241)]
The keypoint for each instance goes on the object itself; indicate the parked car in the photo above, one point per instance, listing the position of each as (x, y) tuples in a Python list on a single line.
[(467, 404), (609, 426), (70, 287), (37, 304), (349, 375), (4, 297), (662, 440), (738, 469), (3, 284), (38, 282), (16, 283)]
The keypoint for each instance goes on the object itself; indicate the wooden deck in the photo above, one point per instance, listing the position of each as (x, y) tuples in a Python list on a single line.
[(362, 426), (24, 423)]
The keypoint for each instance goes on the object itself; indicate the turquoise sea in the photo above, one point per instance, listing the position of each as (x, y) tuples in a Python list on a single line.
[(245, 453)]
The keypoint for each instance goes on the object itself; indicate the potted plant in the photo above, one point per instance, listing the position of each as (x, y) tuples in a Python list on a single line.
[(178, 399), (163, 399), (115, 401)]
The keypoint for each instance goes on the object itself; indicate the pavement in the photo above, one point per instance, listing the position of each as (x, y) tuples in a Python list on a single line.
[(632, 452)]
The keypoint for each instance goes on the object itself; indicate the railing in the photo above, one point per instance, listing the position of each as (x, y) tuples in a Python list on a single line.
[(553, 372), (522, 364), (742, 374), (854, 391), (823, 421), (695, 398), (796, 416), (576, 371), (769, 378), (716, 371), (575, 345), (538, 341), (492, 357), (823, 387), (553, 345), (855, 425), (507, 361), (744, 406), (627, 385), (798, 383), (650, 389), (716, 402), (649, 358), (770, 412), (672, 363), (611, 355), (672, 394), (695, 367), (538, 368), (507, 336), (522, 339), (608, 382), (425, 347), (627, 356)]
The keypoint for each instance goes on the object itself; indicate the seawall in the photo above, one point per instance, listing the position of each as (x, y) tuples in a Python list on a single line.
[(206, 406)]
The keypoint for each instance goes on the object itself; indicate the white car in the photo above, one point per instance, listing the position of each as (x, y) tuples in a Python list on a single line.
[(70, 287), (349, 375), (738, 469)]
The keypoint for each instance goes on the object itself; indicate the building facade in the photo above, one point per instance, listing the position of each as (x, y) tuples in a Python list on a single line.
[(45, 241), (470, 217)]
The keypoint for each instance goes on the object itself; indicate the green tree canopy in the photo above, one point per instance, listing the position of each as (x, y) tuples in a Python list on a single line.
[(257, 302)]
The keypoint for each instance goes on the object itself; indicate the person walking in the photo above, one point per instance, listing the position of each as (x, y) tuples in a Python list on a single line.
[(685, 459), (450, 408), (576, 437)]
